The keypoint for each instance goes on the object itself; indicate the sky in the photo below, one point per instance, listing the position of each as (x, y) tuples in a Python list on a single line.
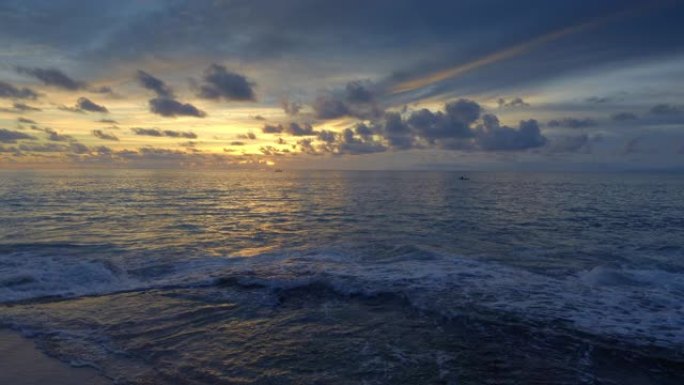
[(343, 84)]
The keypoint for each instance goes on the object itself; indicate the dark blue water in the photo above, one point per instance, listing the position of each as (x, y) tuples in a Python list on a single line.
[(191, 277)]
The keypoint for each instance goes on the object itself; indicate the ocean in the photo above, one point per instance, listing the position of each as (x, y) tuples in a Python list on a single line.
[(336, 277)]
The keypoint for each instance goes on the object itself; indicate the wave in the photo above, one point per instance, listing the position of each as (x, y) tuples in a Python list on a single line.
[(642, 306)]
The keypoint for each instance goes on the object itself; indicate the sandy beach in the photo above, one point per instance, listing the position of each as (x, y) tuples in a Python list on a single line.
[(22, 364)]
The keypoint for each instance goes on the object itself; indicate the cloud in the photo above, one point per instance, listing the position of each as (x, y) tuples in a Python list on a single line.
[(53, 77), (11, 92), (513, 103), (666, 109), (330, 107), (493, 137), (86, 104), (165, 104), (109, 121), (75, 110), (154, 84), (633, 146), (572, 123), (358, 92), (291, 108), (272, 129), (7, 136), (248, 136), (624, 116), (180, 134), (173, 108), (347, 143), (20, 108), (574, 143), (56, 78), (163, 133), (104, 135), (26, 121), (54, 136), (356, 100), (237, 143), (219, 83), (296, 129), (454, 122)]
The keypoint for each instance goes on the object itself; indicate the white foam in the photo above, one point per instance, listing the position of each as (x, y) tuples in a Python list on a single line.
[(24, 276), (645, 306)]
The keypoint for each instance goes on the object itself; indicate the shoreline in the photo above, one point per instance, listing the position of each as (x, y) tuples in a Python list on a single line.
[(21, 363)]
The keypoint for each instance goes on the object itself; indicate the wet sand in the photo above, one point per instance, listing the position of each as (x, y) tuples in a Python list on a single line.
[(22, 364)]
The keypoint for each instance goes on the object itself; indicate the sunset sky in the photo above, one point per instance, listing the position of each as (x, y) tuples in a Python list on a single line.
[(381, 84)]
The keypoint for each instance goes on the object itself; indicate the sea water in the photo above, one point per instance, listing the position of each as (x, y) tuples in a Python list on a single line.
[(330, 277)]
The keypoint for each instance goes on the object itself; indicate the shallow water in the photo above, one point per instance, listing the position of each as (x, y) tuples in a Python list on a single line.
[(348, 277)]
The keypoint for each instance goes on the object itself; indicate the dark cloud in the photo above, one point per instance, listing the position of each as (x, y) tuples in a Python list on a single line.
[(460, 125), (624, 116), (396, 131), (453, 128), (327, 136), (363, 131), (666, 109), (247, 136), (58, 79), (493, 137), (272, 129), (180, 134), (53, 77), (25, 107), (219, 83), (290, 107), (296, 129), (7, 136), (11, 92), (54, 136), (356, 100), (330, 107), (597, 100), (104, 135), (154, 84), (453, 123), (20, 108), (572, 123), (72, 147), (173, 108), (258, 117), (571, 144), (358, 92), (160, 133), (513, 103), (633, 146), (341, 143), (165, 104), (75, 110), (109, 121), (43, 147), (86, 104), (237, 143), (26, 121)]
